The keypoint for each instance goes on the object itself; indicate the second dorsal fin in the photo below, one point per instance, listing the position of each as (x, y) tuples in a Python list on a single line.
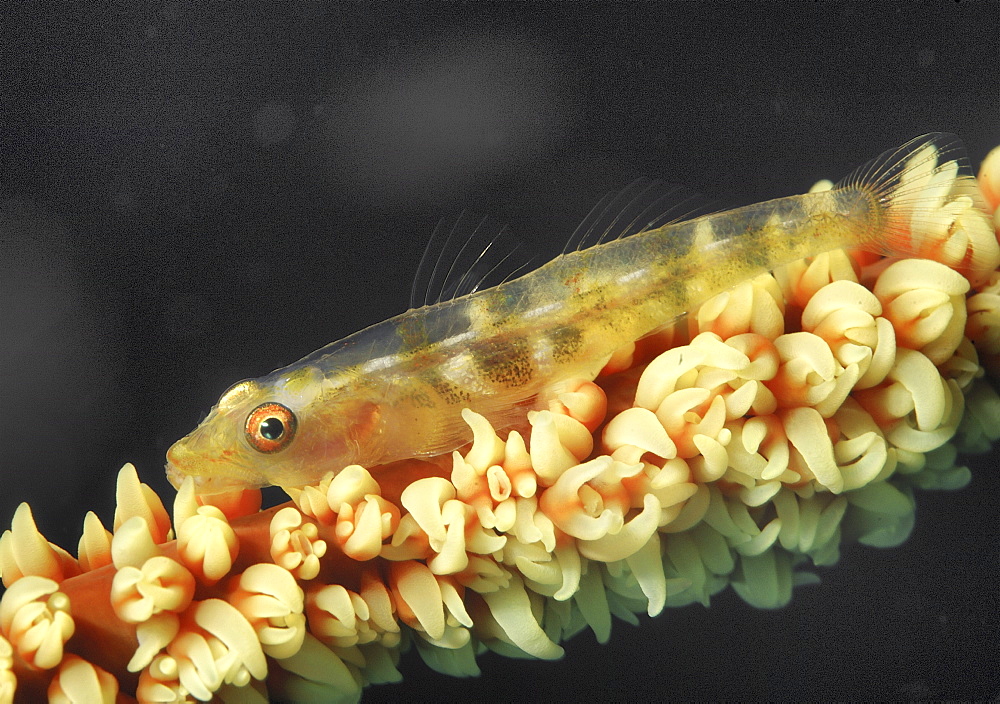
[(645, 204), (466, 254), (463, 256)]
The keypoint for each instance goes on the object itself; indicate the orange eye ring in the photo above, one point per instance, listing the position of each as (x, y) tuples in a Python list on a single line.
[(270, 427)]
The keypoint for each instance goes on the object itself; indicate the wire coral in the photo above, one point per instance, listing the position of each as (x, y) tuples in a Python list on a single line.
[(735, 449)]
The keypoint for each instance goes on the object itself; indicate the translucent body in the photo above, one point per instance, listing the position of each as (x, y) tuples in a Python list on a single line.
[(396, 389)]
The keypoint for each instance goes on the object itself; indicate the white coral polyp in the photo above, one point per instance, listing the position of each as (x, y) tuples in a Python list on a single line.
[(813, 456), (844, 314), (35, 617), (295, 543), (802, 279), (966, 237), (207, 545), (350, 486), (80, 681), (758, 452), (216, 645), (557, 443), (160, 584), (447, 526), (343, 618), (863, 453), (925, 301), (635, 432), (8, 681), (362, 526), (809, 374), (588, 501), (271, 600), (754, 306), (913, 391)]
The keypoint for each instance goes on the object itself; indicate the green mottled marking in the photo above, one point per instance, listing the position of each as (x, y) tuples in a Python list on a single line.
[(673, 295), (412, 333), (753, 256)]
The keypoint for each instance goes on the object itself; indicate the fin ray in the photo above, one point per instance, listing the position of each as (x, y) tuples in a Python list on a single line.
[(910, 184), (644, 204), (447, 269)]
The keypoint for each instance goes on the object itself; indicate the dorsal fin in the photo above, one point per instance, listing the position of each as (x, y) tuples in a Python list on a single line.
[(645, 204), (464, 256)]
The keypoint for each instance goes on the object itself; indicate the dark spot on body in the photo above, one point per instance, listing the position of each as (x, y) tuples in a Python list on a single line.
[(566, 343), (506, 364), (419, 399), (451, 393)]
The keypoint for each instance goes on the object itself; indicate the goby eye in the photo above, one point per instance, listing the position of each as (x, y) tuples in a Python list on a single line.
[(270, 427)]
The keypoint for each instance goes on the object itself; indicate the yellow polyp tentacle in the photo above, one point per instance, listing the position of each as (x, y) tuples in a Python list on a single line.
[(660, 377), (160, 584), (592, 601), (37, 620), (647, 566), (360, 530), (630, 538), (487, 448), (333, 614), (350, 486), (295, 543), (549, 456), (136, 499), (133, 544), (418, 597), (511, 609), (154, 634), (80, 681), (207, 544), (424, 500), (272, 602), (159, 682), (312, 500), (808, 435), (317, 671), (8, 680), (223, 622), (451, 594), (451, 553), (94, 549), (570, 566), (517, 464), (586, 403), (24, 551), (641, 431)]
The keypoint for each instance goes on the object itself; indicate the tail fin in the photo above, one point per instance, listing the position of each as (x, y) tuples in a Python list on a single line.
[(927, 197)]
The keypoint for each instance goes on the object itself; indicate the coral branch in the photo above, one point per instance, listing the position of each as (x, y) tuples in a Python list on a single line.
[(799, 407)]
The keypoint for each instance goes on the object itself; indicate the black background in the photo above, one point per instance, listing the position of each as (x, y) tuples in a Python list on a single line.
[(190, 196)]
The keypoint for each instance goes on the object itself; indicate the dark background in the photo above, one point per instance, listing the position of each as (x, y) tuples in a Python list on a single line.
[(192, 196)]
